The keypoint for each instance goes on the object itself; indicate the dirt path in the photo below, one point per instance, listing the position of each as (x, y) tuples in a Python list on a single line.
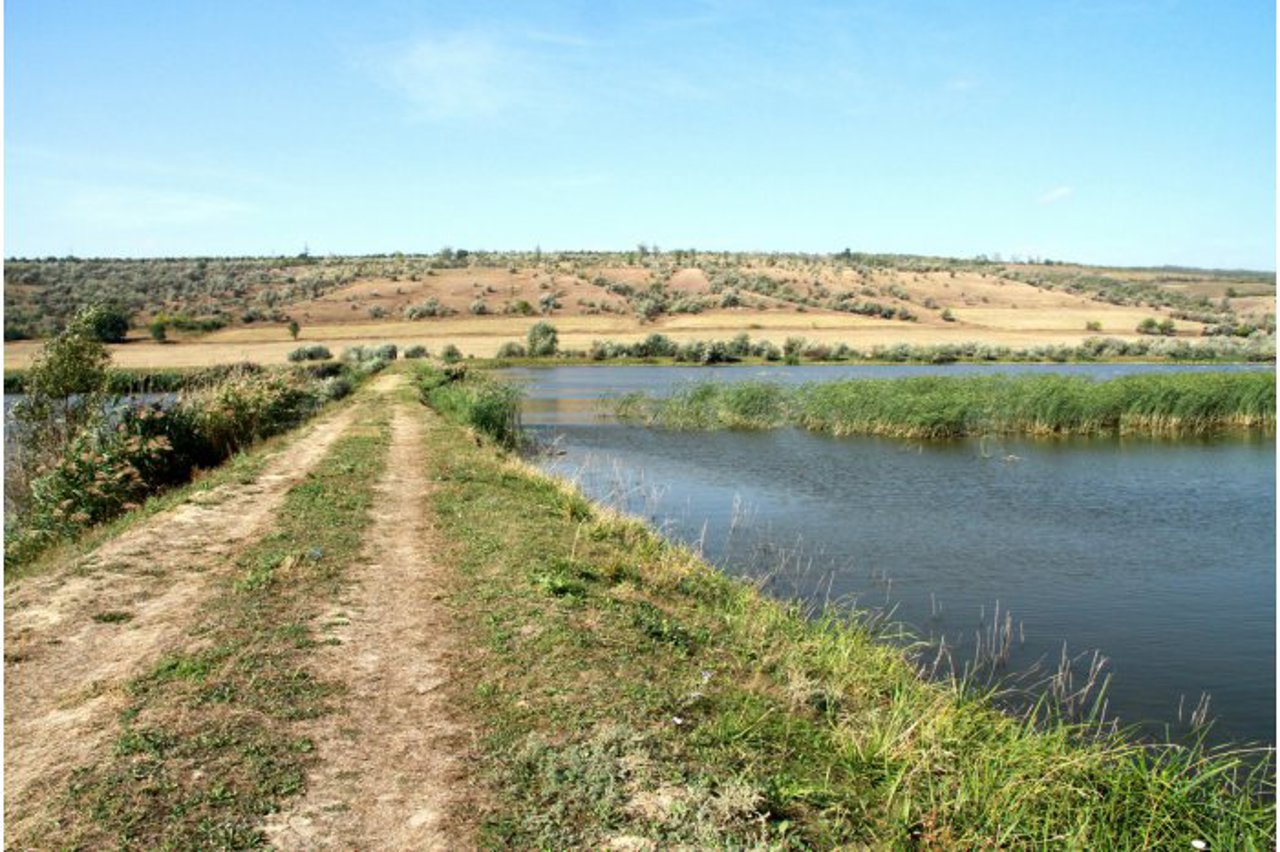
[(74, 637), (391, 773)]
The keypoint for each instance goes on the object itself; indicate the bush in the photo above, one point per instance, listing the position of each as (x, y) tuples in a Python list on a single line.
[(106, 323), (450, 354), (543, 340), (416, 351), (363, 354), (430, 308), (108, 469), (511, 349), (65, 388), (314, 352), (235, 413)]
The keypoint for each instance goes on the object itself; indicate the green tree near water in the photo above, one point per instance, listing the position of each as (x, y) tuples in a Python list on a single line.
[(65, 396), (66, 385)]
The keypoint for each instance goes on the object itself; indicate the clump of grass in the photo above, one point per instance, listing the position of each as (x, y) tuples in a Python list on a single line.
[(112, 617), (628, 694), (485, 404), (313, 352), (954, 406)]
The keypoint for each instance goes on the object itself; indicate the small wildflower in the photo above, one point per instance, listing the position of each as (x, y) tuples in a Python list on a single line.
[(677, 720), (1199, 844)]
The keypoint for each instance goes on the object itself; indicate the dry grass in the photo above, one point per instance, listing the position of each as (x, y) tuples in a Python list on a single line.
[(987, 307), (481, 337)]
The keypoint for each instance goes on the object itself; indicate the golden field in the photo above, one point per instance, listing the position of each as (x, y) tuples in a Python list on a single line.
[(488, 301)]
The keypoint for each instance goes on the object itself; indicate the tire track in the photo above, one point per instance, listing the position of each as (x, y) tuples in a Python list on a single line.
[(65, 670), (391, 772)]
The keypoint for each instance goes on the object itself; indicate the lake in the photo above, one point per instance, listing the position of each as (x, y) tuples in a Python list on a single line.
[(1160, 554)]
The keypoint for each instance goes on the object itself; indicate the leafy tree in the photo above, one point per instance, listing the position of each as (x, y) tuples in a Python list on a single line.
[(105, 322), (294, 328), (65, 386), (158, 331), (543, 340)]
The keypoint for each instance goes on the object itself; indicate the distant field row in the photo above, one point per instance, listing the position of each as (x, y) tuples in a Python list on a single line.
[(481, 336)]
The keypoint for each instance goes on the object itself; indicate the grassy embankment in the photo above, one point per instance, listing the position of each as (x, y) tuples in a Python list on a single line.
[(947, 407), (627, 690), (208, 744), (114, 466)]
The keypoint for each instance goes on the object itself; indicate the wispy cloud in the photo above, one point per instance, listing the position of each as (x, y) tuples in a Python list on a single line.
[(474, 74), (132, 208), (1053, 196), (464, 74), (960, 84)]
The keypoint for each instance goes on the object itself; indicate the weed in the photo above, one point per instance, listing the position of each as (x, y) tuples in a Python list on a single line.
[(112, 617)]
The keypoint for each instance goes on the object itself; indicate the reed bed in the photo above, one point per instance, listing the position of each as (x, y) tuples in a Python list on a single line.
[(1167, 404)]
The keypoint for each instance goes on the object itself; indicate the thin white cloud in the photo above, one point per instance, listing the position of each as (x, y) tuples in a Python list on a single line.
[(960, 84), (466, 75), (132, 208), (1053, 196)]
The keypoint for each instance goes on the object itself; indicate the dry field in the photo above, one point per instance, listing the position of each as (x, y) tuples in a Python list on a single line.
[(487, 305)]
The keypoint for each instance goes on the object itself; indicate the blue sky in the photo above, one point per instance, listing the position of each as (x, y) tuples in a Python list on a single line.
[(1115, 132)]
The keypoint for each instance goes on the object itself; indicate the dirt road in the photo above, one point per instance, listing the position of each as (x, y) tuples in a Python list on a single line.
[(388, 774)]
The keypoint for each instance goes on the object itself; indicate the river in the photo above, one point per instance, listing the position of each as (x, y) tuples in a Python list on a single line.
[(1159, 554)]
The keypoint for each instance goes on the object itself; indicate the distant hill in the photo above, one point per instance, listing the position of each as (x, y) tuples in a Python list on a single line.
[(197, 295)]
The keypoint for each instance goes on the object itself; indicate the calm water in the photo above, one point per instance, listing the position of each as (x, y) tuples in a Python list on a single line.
[(1160, 554)]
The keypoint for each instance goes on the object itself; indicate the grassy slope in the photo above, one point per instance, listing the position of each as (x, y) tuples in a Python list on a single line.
[(629, 691)]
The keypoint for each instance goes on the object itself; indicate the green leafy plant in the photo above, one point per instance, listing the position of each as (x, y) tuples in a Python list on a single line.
[(543, 340)]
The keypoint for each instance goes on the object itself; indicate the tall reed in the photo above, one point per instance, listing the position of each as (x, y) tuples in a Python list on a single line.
[(954, 406)]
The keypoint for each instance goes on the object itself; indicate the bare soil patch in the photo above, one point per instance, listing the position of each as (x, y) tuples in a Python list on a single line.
[(74, 637), (392, 766)]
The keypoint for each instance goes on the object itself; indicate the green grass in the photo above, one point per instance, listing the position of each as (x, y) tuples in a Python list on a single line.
[(953, 406), (243, 468), (209, 742), (625, 689), (472, 399)]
